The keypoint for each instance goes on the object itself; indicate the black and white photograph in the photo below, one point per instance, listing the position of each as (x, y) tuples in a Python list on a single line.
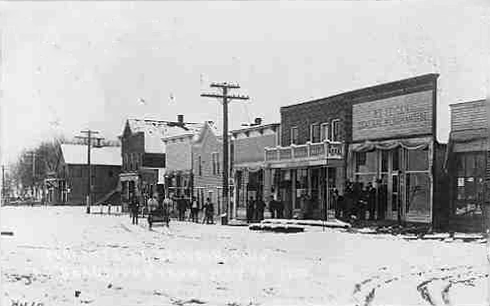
[(245, 153)]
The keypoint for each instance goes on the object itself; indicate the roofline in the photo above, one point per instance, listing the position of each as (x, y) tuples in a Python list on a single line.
[(464, 102), (161, 121), (359, 92), (188, 135), (257, 127)]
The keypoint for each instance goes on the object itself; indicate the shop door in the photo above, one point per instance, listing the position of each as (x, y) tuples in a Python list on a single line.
[(394, 185)]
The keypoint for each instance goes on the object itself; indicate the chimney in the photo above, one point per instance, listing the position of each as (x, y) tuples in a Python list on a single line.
[(258, 121), (180, 119)]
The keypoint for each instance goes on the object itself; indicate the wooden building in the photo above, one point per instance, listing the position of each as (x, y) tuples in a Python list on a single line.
[(251, 180), (468, 163)]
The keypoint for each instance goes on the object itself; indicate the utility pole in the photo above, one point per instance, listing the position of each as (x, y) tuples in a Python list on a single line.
[(89, 138), (225, 98), (3, 185)]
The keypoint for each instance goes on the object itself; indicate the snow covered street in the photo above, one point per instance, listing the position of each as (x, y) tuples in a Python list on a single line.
[(57, 251)]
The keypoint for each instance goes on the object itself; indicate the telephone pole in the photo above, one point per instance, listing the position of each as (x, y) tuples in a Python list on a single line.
[(89, 138), (226, 98), (3, 185)]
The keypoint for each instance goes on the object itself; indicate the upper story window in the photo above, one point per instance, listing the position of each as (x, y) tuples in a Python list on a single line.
[(215, 159), (294, 135), (324, 132), (315, 135), (335, 130), (199, 166)]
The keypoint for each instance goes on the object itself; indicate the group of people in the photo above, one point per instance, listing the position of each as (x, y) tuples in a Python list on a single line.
[(256, 208), (362, 201), (167, 205)]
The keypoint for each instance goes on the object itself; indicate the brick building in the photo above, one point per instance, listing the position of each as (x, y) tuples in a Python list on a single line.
[(70, 185), (250, 178), (312, 153), (383, 134), (143, 156)]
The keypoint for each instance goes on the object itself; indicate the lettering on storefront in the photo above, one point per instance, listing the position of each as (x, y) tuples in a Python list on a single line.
[(397, 116)]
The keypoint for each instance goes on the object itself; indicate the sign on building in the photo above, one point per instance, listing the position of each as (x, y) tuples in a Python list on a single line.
[(405, 115)]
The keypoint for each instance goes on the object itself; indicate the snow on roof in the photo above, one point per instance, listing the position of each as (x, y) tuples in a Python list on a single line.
[(77, 154), (155, 130)]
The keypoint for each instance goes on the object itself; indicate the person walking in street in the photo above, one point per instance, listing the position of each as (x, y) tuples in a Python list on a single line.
[(194, 210), (250, 210), (167, 206), (135, 210), (181, 208), (208, 212)]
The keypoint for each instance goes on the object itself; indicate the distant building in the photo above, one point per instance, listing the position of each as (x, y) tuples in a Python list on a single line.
[(143, 155), (250, 178), (178, 157), (69, 186)]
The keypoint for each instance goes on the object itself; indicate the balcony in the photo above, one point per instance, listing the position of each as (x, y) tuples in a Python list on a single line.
[(308, 151)]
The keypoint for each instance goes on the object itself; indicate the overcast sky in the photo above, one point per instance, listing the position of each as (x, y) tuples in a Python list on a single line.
[(67, 66)]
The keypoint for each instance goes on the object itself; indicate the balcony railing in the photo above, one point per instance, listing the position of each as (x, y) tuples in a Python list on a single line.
[(327, 149)]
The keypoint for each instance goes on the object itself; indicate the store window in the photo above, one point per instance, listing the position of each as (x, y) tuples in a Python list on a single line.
[(470, 182), (294, 135), (418, 160), (315, 133)]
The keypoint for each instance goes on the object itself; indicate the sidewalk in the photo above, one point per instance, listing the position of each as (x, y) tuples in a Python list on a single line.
[(333, 223)]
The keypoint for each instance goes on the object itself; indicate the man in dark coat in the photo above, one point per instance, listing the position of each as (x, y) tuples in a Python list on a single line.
[(371, 200), (259, 209), (273, 207), (280, 209), (250, 210), (135, 209)]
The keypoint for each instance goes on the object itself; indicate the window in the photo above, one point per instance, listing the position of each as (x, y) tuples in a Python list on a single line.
[(335, 130), (294, 135), (215, 159), (199, 166), (315, 133), (324, 132)]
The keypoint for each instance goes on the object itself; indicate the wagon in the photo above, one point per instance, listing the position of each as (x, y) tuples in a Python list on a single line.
[(158, 215)]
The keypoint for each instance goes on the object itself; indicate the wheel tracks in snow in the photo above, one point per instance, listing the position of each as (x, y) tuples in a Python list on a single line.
[(364, 292)]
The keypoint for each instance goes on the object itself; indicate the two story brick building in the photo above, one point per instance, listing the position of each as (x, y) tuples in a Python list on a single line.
[(384, 135), (310, 161)]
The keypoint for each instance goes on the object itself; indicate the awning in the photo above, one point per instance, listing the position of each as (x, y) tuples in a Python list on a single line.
[(251, 167), (409, 144), (469, 140)]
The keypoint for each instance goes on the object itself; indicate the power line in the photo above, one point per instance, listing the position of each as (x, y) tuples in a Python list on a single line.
[(226, 98)]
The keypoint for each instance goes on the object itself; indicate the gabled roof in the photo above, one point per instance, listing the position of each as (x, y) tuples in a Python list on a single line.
[(155, 130), (77, 154)]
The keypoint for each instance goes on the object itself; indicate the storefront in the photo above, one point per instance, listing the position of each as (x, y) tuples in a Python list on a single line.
[(400, 171), (306, 184), (467, 164), (394, 148)]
